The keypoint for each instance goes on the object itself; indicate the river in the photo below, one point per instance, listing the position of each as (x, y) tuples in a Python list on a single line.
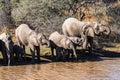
[(104, 69)]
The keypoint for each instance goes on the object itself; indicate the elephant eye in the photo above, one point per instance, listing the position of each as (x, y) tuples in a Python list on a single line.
[(9, 38), (97, 28), (77, 40)]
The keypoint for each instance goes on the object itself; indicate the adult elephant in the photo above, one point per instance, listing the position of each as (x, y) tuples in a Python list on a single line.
[(74, 27), (6, 48), (30, 38)]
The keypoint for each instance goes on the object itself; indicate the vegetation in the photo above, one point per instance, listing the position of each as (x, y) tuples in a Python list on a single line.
[(48, 15)]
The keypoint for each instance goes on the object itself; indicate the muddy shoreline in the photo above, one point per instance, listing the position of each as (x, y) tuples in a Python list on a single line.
[(103, 65)]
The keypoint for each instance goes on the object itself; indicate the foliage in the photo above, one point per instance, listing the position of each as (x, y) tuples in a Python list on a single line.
[(48, 15), (40, 14)]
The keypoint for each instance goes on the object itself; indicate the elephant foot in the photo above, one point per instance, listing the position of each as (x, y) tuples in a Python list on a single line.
[(77, 59), (33, 61), (19, 59), (5, 63), (52, 56), (11, 63), (38, 60), (64, 60), (25, 59), (56, 59)]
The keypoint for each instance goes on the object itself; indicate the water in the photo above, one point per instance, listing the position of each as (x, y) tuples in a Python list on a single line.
[(107, 69)]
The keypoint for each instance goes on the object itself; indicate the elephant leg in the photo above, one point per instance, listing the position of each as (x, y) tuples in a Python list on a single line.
[(67, 54), (16, 56), (24, 55), (32, 50), (64, 54), (84, 46), (74, 50), (20, 55), (5, 59), (52, 51), (58, 54), (24, 47), (11, 58), (91, 44), (38, 53)]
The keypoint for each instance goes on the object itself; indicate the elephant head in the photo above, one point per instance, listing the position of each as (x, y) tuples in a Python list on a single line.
[(105, 30), (101, 29), (68, 44), (42, 39)]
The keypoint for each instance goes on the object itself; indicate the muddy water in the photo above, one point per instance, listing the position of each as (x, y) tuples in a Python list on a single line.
[(107, 69)]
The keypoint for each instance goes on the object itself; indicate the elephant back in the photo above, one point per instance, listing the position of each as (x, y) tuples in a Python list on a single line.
[(72, 27), (22, 32)]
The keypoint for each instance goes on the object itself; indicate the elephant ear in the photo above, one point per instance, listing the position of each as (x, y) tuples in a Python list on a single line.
[(85, 26), (39, 38), (33, 39)]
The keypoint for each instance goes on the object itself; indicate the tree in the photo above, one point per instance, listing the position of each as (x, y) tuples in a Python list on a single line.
[(41, 14), (5, 14)]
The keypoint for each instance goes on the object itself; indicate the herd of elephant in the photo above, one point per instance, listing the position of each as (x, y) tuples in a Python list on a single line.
[(75, 33)]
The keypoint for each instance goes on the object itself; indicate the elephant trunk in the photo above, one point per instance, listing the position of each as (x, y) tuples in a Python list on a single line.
[(48, 43), (107, 31), (74, 51), (9, 50)]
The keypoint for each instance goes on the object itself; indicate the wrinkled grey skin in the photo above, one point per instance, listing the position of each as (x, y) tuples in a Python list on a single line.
[(19, 52), (86, 30), (61, 43), (7, 48), (30, 38)]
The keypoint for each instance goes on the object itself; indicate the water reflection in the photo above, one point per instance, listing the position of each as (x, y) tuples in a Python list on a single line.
[(101, 70)]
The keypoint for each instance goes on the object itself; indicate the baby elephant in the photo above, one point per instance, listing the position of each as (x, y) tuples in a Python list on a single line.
[(61, 43), (19, 52)]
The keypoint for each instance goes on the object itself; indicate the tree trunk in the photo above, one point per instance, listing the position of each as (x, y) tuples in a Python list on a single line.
[(5, 14)]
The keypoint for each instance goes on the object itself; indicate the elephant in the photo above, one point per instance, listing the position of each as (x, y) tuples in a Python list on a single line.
[(6, 48), (3, 51), (61, 43), (19, 52), (88, 30), (28, 37)]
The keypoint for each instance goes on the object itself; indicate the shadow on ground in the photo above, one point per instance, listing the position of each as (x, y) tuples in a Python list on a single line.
[(25, 62), (95, 56), (82, 57)]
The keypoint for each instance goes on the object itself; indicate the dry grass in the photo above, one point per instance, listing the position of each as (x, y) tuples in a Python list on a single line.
[(43, 50), (115, 47)]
